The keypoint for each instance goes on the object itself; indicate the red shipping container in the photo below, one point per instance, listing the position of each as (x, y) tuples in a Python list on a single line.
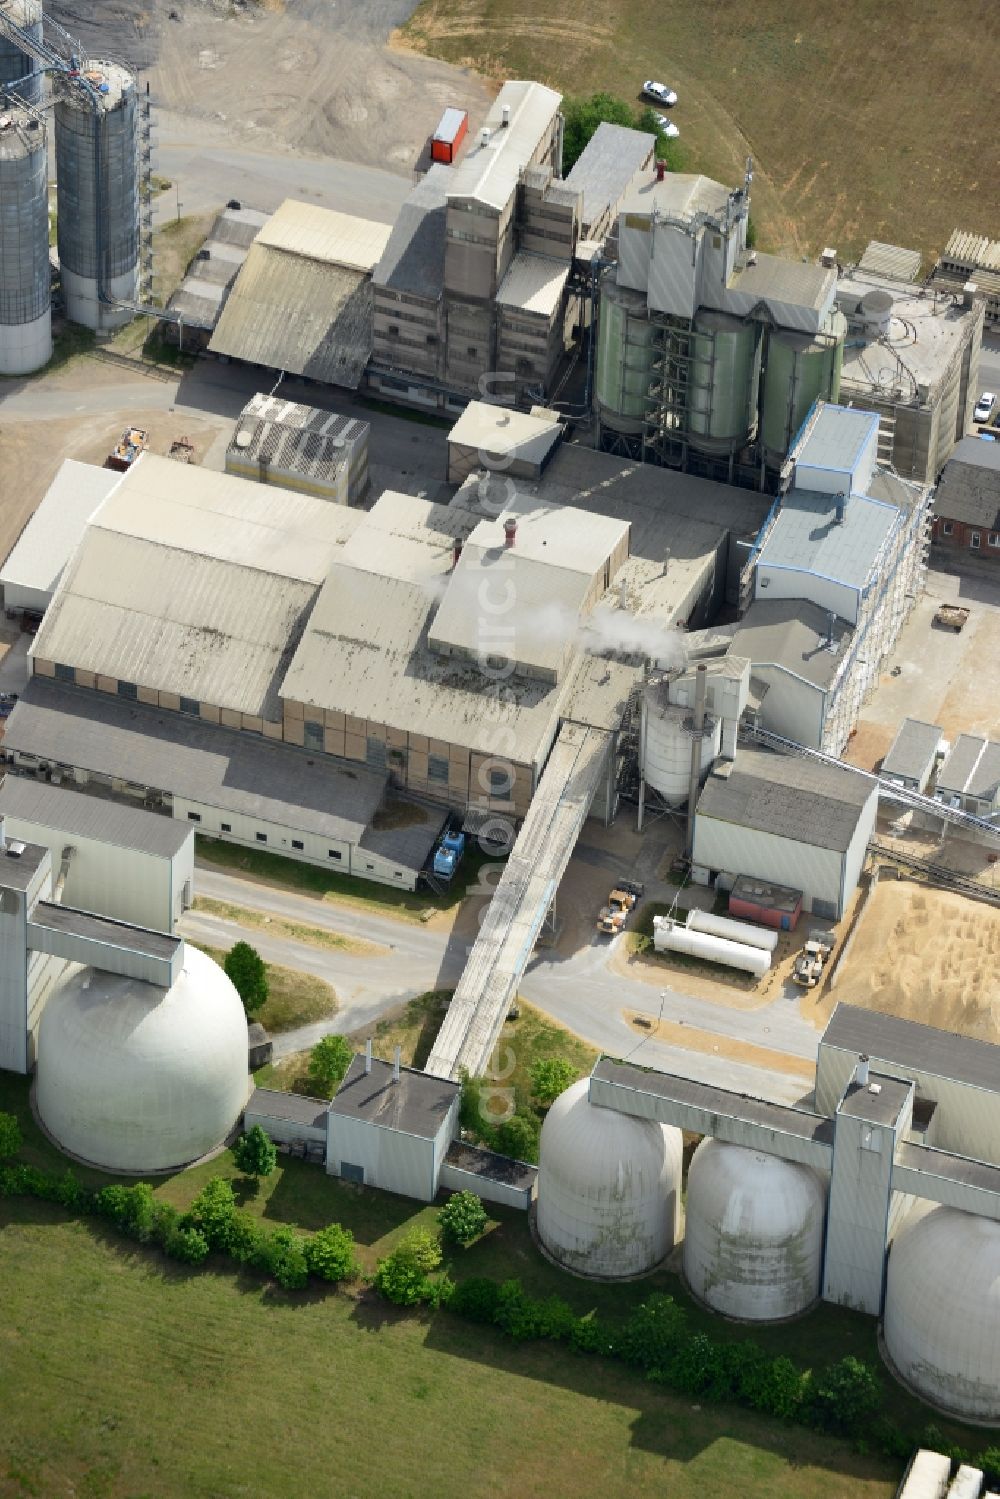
[(449, 135)]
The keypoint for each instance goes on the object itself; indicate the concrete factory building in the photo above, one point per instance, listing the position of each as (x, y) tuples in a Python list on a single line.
[(302, 448), (120, 861), (195, 306), (787, 821), (477, 272), (912, 357), (837, 569), (911, 758), (302, 302), (969, 777), (517, 443)]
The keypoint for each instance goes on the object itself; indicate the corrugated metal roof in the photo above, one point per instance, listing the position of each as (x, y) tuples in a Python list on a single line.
[(340, 239), (534, 283), (61, 810), (194, 583), (914, 1047), (413, 259), (890, 260), (295, 438), (489, 174), (972, 767), (807, 538), (604, 170), (806, 801), (793, 633), (198, 762), (912, 752), (973, 250), (304, 316), (54, 532)]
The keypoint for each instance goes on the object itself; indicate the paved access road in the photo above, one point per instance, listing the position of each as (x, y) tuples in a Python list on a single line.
[(580, 991)]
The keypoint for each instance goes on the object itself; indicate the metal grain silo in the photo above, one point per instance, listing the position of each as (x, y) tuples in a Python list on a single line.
[(666, 739), (25, 281), (15, 65), (97, 182), (608, 1187), (942, 1310), (625, 353), (723, 380), (753, 1232), (800, 369)]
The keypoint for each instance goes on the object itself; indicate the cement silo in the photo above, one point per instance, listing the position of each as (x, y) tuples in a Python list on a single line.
[(25, 281), (667, 734), (608, 1188), (753, 1232), (799, 370), (16, 65), (625, 353), (97, 181), (722, 384), (942, 1310)]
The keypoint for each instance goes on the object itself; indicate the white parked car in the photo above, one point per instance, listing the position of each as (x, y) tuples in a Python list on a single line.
[(984, 407), (668, 127), (659, 93)]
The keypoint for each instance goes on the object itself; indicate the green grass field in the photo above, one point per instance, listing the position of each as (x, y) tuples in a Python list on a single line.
[(309, 879), (865, 120), (122, 1373), (293, 999)]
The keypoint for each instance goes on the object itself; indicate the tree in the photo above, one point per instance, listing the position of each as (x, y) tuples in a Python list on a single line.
[(245, 967), (10, 1136), (667, 150), (462, 1218), (551, 1076), (518, 1137), (328, 1061), (330, 1253), (403, 1277), (582, 117), (213, 1211), (845, 1396), (254, 1154)]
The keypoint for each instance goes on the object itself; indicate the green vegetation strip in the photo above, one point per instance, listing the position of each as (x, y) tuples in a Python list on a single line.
[(278, 926), (293, 998), (310, 879)]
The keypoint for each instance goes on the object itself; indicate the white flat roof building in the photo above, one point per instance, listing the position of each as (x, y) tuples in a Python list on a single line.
[(32, 571)]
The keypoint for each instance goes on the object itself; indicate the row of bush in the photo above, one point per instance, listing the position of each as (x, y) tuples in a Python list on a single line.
[(655, 1339)]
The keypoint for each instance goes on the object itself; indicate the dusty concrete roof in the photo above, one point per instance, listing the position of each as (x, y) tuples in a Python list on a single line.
[(912, 752), (490, 173), (912, 1046), (497, 432), (793, 634), (803, 800), (323, 234), (413, 258), (969, 489), (535, 284), (806, 537), (59, 809), (605, 168), (416, 1103), (56, 528)]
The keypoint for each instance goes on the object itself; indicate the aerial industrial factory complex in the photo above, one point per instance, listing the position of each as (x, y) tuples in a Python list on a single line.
[(673, 542)]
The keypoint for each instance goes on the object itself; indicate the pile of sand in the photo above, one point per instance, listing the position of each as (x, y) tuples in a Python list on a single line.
[(925, 955)]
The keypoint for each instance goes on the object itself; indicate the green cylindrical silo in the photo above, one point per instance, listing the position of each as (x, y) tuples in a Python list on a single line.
[(722, 385), (624, 358), (800, 370)]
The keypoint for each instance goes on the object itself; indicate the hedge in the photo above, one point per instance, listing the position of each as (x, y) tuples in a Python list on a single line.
[(655, 1339)]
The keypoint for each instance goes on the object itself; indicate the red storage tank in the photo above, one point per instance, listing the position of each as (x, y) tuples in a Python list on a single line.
[(449, 135)]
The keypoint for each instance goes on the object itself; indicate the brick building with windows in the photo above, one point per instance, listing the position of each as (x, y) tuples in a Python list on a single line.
[(967, 501)]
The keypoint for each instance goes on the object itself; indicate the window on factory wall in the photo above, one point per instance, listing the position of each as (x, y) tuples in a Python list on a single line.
[(65, 673), (225, 827), (437, 768), (297, 843), (500, 782), (335, 853), (995, 538), (261, 837), (129, 690), (975, 540), (947, 528), (194, 817), (191, 706), (313, 735), (375, 753)]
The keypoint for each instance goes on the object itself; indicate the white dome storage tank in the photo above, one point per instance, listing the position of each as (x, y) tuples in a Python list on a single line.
[(608, 1187), (942, 1310), (753, 1232), (667, 731), (138, 1078)]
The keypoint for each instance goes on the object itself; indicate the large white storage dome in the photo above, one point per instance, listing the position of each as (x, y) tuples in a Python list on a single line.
[(138, 1078), (608, 1187), (942, 1309), (753, 1232)]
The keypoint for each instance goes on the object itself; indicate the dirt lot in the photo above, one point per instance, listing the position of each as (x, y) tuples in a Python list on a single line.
[(923, 955), (313, 76), (831, 101)]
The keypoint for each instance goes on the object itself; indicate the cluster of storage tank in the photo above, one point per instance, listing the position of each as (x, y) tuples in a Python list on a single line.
[(717, 939), (743, 382), (608, 1206), (609, 1192), (97, 177)]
